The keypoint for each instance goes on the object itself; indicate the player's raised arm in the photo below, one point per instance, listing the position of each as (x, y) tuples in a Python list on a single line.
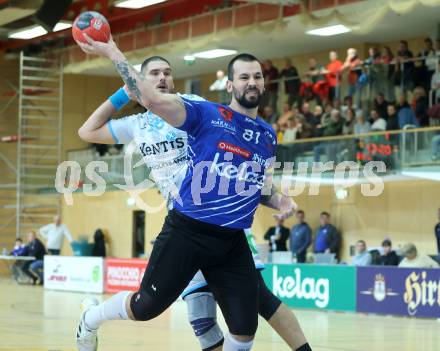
[(168, 106)]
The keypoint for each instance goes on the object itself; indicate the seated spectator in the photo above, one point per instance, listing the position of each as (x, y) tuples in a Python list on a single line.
[(300, 238), (327, 239), (378, 124), (269, 115), (304, 129), (286, 114), (270, 95), (317, 114), (277, 236), (361, 126), (34, 269), (362, 256), (334, 128), (381, 105), (393, 120), (348, 103), (421, 106), (415, 260), (305, 111), (290, 132), (325, 120), (405, 114), (349, 122), (19, 248), (389, 257)]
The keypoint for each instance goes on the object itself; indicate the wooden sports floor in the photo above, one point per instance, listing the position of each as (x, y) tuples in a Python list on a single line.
[(32, 318)]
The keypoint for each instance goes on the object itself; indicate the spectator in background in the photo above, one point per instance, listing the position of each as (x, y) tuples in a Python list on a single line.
[(393, 120), (290, 132), (325, 120), (348, 103), (333, 71), (349, 122), (421, 106), (292, 82), (361, 126), (300, 237), (389, 73), (317, 115), (19, 248), (54, 234), (305, 111), (334, 128), (270, 115), (375, 71), (378, 124), (435, 84), (34, 269), (405, 114), (353, 64), (404, 55), (415, 260), (220, 86), (389, 257), (426, 67), (380, 105), (270, 95), (317, 77), (304, 129), (277, 236), (327, 239), (362, 256), (437, 231), (286, 114), (98, 249)]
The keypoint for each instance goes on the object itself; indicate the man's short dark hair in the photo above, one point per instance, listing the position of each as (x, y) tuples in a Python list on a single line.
[(324, 213), (404, 42), (362, 242), (387, 242), (428, 40), (300, 211), (241, 57), (151, 59), (19, 239)]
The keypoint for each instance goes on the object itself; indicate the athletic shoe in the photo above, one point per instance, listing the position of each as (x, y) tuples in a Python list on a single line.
[(86, 339)]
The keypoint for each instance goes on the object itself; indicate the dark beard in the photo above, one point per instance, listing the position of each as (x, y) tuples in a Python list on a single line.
[(245, 102)]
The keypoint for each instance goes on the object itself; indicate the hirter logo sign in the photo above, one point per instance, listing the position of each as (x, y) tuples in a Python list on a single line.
[(234, 149), (226, 114)]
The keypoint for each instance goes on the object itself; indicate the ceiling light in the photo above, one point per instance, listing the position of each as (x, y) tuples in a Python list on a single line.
[(210, 54), (329, 31), (28, 33), (189, 58), (37, 31), (137, 4)]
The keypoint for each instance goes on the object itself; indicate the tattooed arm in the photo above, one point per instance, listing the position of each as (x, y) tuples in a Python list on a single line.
[(168, 106)]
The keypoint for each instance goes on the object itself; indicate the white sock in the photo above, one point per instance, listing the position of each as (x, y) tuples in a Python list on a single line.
[(112, 309), (232, 344)]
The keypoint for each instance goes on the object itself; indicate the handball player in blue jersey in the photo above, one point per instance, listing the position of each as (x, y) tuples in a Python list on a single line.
[(231, 149)]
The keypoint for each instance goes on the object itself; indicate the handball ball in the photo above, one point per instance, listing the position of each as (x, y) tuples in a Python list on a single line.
[(93, 24)]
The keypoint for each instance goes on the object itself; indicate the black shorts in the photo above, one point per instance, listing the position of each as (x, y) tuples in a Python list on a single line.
[(186, 245)]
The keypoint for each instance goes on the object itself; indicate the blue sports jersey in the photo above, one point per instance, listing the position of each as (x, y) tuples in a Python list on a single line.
[(230, 154)]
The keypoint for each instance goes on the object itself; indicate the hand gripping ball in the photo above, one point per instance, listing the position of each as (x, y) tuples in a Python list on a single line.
[(93, 24)]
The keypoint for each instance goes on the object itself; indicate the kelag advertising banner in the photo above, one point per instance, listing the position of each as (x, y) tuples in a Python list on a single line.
[(313, 286), (399, 291)]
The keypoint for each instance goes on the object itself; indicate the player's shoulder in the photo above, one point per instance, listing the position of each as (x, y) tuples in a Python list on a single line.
[(192, 97), (265, 125)]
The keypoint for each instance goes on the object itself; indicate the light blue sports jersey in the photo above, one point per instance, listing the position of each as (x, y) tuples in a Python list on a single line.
[(230, 153)]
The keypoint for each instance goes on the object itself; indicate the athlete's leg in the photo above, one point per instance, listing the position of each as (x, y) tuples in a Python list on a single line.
[(235, 286), (161, 285), (280, 318)]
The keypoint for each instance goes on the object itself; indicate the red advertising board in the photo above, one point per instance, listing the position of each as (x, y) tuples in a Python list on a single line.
[(122, 274)]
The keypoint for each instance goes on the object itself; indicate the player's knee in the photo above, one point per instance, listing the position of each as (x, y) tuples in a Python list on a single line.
[(245, 327), (268, 303), (202, 315), (144, 307)]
